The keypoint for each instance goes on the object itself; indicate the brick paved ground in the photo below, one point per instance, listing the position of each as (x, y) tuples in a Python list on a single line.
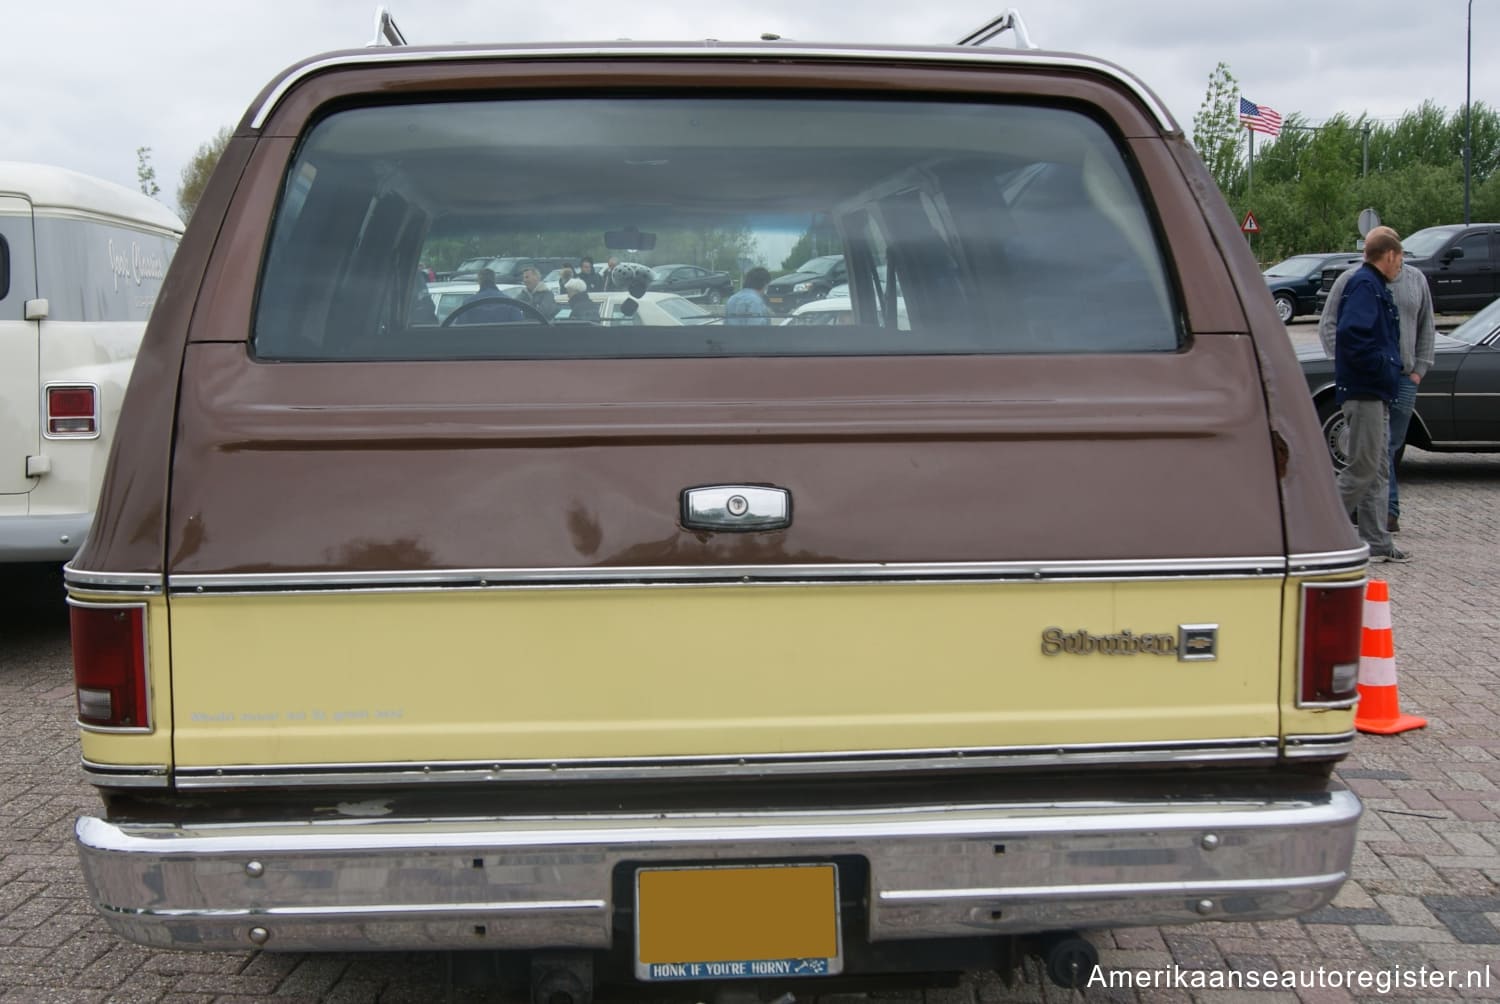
[(1426, 887)]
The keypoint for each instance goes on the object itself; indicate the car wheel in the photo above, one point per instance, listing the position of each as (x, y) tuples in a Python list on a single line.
[(1335, 432), (1286, 308), (714, 297)]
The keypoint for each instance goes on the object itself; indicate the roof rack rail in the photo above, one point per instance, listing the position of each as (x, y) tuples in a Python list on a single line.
[(386, 32), (1010, 20)]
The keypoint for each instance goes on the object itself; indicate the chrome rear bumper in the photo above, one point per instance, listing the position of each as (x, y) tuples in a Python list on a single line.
[(547, 882)]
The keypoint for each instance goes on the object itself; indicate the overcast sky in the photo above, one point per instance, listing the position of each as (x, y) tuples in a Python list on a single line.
[(87, 82)]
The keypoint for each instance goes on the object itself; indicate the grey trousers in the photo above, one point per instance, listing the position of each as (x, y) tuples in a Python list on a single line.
[(1363, 485)]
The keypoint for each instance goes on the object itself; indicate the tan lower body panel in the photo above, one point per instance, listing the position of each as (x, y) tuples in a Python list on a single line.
[(664, 671)]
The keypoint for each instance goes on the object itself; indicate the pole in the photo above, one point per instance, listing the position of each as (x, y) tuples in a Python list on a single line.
[(1365, 145), (1250, 168), (1468, 112)]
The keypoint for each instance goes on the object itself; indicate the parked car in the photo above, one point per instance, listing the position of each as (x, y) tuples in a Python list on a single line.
[(663, 652), (659, 309), (693, 282), (508, 269), (834, 309), (469, 267), (1294, 282), (449, 295), (1461, 263), (1458, 401), (811, 281), (81, 263)]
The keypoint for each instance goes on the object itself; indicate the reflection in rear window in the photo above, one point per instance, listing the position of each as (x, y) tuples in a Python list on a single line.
[(959, 228)]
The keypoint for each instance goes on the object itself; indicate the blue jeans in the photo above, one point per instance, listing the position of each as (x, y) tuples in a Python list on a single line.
[(1401, 409)]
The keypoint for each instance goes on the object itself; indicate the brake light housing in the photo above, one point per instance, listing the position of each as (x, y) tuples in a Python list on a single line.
[(111, 666), (1332, 623), (72, 411)]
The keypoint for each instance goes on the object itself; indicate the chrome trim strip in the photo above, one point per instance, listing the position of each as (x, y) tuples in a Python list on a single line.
[(1325, 562), (150, 726), (1264, 748), (1321, 746), (1354, 559), (134, 776), (710, 49), (1449, 444), (137, 582), (1028, 892), (1268, 566), (374, 909), (1343, 705)]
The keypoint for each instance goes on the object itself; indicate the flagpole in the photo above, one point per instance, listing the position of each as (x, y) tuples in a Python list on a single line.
[(1250, 171)]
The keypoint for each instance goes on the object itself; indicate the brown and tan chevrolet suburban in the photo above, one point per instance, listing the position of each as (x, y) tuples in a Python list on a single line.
[(655, 651)]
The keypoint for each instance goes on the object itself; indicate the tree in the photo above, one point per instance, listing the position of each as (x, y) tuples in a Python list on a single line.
[(820, 238), (800, 252), (1216, 129), (713, 247), (1425, 136), (145, 173), (195, 174)]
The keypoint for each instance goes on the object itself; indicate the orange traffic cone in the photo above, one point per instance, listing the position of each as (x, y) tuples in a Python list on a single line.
[(1379, 708)]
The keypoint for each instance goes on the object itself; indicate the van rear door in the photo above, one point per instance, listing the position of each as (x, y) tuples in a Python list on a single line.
[(20, 428)]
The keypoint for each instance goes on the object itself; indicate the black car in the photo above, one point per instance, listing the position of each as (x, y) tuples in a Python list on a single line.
[(1458, 401), (812, 281), (1459, 260), (1294, 283), (692, 282)]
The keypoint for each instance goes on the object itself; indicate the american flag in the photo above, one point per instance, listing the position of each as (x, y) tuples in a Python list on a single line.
[(1260, 118)]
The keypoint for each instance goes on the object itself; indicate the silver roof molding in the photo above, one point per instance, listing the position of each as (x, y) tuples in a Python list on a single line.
[(711, 49)]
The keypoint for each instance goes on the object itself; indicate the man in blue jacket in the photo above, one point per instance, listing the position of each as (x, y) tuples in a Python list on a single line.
[(1367, 374)]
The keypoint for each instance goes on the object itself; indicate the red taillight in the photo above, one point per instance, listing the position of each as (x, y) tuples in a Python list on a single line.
[(72, 411), (109, 665), (1332, 623)]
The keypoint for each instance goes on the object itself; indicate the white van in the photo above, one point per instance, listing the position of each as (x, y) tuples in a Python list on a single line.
[(81, 263)]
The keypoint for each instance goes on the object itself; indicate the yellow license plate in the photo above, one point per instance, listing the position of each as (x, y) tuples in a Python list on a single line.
[(737, 922)]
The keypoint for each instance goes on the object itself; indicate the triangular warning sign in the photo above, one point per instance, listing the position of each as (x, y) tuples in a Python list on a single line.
[(1250, 226)]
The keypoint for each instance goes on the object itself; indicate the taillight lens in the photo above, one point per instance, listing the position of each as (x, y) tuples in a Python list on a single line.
[(72, 411), (109, 665), (1332, 631)]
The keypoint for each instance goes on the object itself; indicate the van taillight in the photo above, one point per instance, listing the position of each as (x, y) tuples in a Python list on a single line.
[(72, 411), (109, 665), (1332, 631)]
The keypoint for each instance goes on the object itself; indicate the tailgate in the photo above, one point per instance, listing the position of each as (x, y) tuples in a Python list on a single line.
[(982, 555)]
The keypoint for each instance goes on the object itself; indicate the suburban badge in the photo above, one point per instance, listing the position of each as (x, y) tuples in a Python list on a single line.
[(1191, 643)]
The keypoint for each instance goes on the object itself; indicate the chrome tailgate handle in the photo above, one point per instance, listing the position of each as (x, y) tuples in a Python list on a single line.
[(736, 508)]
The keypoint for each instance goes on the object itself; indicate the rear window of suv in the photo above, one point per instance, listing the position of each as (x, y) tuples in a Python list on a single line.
[(985, 228)]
